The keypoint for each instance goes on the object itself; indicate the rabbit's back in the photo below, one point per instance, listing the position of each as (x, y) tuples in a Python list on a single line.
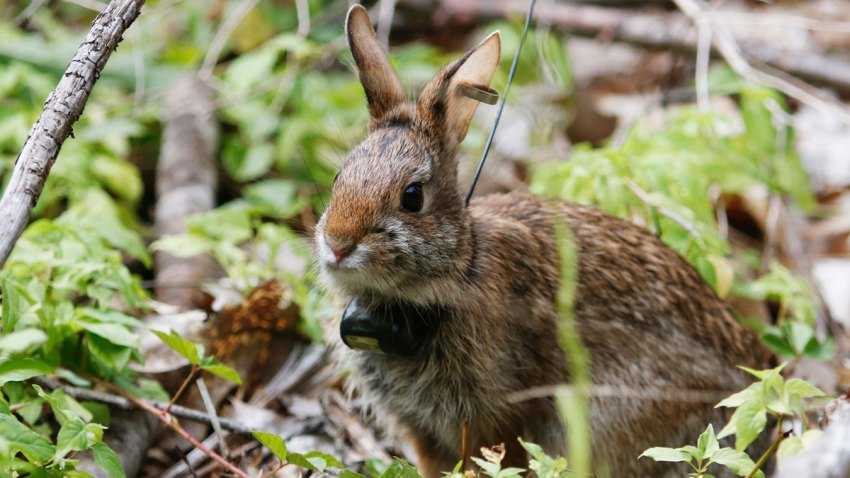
[(663, 348)]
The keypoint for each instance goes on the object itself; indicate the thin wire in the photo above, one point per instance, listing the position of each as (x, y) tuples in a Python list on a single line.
[(528, 15)]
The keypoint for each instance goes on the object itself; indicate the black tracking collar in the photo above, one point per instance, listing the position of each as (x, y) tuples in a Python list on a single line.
[(393, 328)]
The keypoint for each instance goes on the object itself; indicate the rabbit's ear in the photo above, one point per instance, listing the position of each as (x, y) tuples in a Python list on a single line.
[(442, 108), (383, 88)]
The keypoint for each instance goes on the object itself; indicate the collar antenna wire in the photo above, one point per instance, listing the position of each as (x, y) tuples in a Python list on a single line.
[(480, 95)]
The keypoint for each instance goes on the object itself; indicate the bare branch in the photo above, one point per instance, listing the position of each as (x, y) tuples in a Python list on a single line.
[(61, 110)]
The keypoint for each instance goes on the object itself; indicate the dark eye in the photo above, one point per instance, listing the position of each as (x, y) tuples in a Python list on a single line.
[(336, 177), (412, 199)]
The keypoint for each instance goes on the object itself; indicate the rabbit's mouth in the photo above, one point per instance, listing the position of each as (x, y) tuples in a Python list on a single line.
[(353, 261)]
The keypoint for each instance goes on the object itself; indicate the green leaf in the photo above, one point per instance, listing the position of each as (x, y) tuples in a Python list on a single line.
[(666, 454), (400, 469), (799, 335), (746, 423), (752, 392), (777, 341), (707, 442), (121, 177), (192, 352), (737, 461), (276, 196), (510, 473), (544, 465), (273, 443), (314, 460), (117, 334), (693, 451), (488, 468), (21, 341), (75, 435), (12, 304), (15, 437), (114, 356), (223, 371), (802, 389), (764, 374), (107, 460), (19, 369), (65, 408), (184, 245), (110, 316), (346, 473)]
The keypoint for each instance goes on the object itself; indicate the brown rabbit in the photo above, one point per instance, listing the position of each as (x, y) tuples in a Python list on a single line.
[(477, 288)]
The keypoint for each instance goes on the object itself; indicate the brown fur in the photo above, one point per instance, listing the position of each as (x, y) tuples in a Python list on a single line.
[(645, 316)]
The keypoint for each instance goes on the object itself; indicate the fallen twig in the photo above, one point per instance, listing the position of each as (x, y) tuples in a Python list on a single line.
[(730, 50), (653, 30), (167, 419), (123, 403)]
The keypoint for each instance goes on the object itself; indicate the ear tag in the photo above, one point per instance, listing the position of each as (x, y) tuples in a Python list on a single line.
[(481, 93)]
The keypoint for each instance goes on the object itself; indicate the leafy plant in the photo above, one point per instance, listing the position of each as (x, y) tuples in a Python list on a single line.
[(659, 177), (770, 395), (706, 453)]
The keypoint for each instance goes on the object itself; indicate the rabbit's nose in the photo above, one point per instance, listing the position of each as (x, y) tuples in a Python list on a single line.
[(341, 247)]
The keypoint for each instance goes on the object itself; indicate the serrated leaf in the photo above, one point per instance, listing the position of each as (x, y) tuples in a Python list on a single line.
[(533, 449), (666, 454), (117, 334), (75, 435), (693, 451), (707, 442), (19, 369), (273, 443), (65, 408), (107, 460), (746, 423), (802, 389), (223, 371), (737, 461), (752, 392), (763, 374), (191, 351), (776, 340), (16, 437), (400, 469), (21, 341), (314, 460)]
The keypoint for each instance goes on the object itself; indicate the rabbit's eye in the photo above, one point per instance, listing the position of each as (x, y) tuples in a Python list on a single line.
[(412, 198), (336, 177)]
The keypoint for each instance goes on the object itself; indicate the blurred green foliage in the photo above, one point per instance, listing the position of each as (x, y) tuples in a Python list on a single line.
[(669, 177)]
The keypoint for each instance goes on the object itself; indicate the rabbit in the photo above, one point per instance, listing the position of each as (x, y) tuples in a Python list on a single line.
[(481, 284)]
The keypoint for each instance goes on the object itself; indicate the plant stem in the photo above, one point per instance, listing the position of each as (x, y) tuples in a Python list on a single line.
[(770, 450), (183, 386), (167, 419)]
